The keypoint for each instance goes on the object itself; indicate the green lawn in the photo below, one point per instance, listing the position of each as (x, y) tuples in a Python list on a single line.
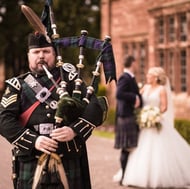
[(104, 134)]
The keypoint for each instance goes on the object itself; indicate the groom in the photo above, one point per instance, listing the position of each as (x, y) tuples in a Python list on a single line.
[(128, 99)]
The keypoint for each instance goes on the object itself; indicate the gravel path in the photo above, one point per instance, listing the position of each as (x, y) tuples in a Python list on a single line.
[(103, 161)]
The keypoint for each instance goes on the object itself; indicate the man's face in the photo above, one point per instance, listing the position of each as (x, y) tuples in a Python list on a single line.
[(135, 66), (41, 56)]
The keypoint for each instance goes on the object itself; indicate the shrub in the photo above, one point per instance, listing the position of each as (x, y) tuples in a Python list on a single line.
[(110, 120), (101, 90), (183, 127)]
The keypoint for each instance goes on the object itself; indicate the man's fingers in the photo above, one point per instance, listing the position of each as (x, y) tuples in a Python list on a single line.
[(45, 151), (46, 144)]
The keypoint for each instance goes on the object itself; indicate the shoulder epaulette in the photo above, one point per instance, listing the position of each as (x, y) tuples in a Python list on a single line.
[(14, 82)]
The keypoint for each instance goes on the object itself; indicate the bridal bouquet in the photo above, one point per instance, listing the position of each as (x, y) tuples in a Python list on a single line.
[(149, 116)]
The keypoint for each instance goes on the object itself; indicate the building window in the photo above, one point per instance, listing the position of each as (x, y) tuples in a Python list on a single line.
[(171, 29), (171, 69), (173, 56), (161, 30), (161, 58), (183, 69), (125, 49), (142, 62), (139, 51), (134, 50), (183, 27)]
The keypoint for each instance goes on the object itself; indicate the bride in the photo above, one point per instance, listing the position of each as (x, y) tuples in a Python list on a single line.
[(162, 158)]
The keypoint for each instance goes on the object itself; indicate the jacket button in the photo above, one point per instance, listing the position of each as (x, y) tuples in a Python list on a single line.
[(48, 115)]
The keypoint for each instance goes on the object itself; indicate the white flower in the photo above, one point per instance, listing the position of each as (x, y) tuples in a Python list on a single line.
[(149, 116)]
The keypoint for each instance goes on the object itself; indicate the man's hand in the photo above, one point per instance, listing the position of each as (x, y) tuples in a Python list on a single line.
[(46, 144), (63, 134), (137, 102)]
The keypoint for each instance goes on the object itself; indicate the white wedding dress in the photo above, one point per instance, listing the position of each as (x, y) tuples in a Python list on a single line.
[(162, 158)]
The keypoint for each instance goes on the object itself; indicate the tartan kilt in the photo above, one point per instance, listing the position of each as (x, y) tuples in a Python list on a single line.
[(72, 169), (126, 133)]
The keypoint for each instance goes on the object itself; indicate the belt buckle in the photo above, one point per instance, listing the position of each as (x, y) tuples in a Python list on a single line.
[(45, 128)]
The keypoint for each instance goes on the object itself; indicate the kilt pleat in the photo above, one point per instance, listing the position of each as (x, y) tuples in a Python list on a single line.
[(72, 169), (26, 173), (73, 172), (126, 133)]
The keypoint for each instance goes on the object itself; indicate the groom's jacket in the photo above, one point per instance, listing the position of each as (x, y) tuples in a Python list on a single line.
[(127, 90)]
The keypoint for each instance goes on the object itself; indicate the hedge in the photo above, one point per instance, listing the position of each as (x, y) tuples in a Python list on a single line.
[(181, 125)]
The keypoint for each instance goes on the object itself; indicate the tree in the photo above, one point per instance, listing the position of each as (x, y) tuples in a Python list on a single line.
[(71, 17), (12, 37)]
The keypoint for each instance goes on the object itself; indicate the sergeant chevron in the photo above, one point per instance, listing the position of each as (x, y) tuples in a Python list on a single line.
[(7, 101)]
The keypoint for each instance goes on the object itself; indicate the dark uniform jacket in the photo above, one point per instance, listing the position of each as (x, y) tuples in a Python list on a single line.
[(127, 90), (21, 127)]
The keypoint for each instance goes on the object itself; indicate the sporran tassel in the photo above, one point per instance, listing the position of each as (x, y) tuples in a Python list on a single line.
[(50, 173)]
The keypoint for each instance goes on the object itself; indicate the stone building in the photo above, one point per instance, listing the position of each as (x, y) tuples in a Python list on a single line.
[(156, 33)]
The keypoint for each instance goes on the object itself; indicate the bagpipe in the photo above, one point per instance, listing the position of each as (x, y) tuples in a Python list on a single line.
[(47, 26), (70, 107)]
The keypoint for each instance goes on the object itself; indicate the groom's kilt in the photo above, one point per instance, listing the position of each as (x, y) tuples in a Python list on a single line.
[(71, 166), (126, 132)]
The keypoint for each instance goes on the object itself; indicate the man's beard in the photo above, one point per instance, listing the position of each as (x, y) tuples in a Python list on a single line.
[(42, 62), (40, 71)]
